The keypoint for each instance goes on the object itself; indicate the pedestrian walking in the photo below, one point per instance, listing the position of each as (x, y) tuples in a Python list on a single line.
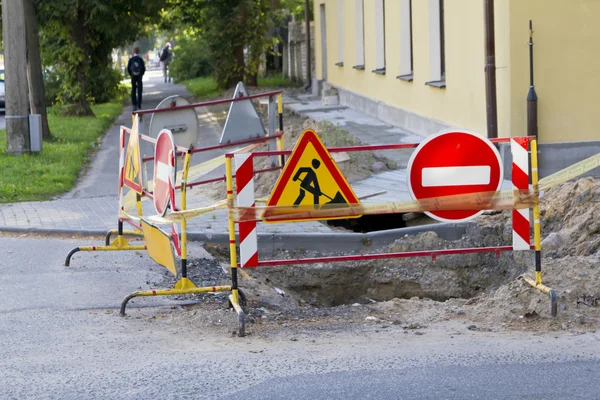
[(165, 59), (136, 68)]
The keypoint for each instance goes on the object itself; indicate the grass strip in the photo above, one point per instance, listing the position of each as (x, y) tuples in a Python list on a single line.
[(53, 171), (206, 87)]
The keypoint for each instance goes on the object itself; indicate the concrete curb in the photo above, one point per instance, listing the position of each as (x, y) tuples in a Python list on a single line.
[(270, 243)]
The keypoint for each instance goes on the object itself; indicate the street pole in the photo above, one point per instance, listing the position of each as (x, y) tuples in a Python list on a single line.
[(532, 118), (15, 65), (308, 46), (490, 70)]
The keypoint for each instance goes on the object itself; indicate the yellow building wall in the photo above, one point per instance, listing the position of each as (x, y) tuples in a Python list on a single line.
[(567, 67), (460, 104)]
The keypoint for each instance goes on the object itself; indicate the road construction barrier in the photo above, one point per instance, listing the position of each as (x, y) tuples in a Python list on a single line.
[(343, 204), (244, 127)]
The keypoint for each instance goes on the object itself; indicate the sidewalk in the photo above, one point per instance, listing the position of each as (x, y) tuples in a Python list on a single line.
[(91, 207)]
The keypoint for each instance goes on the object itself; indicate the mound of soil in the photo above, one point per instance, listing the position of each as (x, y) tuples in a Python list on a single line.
[(484, 290)]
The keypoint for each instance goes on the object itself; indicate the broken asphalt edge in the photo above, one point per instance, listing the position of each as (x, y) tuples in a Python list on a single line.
[(270, 243)]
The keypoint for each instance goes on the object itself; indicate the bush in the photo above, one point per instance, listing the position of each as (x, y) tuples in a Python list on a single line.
[(192, 58), (106, 85)]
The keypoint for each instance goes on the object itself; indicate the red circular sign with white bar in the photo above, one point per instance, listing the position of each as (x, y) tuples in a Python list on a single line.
[(453, 163), (164, 171)]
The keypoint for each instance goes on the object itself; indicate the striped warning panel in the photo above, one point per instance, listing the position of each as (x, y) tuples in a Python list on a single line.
[(521, 220), (244, 182), (121, 166)]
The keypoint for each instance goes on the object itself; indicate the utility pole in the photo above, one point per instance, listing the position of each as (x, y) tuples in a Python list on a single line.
[(37, 93), (308, 46), (532, 117), (15, 65), (490, 70)]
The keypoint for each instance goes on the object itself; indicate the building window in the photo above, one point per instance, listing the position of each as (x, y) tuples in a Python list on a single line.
[(340, 36), (360, 35), (437, 56), (379, 37), (406, 43)]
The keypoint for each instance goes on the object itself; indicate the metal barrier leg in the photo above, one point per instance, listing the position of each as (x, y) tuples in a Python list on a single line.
[(537, 233), (182, 287), (119, 244), (113, 231)]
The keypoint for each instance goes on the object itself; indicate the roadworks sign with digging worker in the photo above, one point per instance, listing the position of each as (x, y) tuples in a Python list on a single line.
[(309, 178)]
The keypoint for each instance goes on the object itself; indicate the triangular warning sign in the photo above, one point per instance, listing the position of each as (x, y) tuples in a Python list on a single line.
[(243, 121), (309, 178), (133, 161)]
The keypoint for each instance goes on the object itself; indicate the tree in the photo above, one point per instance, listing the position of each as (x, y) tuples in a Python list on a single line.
[(234, 29), (13, 26), (78, 37)]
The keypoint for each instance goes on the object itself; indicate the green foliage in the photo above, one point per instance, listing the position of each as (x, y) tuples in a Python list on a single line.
[(192, 59), (77, 38), (55, 170), (229, 27), (296, 8), (106, 85)]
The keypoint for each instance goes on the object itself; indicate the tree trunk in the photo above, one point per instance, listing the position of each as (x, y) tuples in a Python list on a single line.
[(37, 93), (80, 105), (15, 61), (253, 66), (240, 65)]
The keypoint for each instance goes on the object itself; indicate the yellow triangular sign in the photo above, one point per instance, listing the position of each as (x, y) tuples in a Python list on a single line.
[(310, 178), (133, 161)]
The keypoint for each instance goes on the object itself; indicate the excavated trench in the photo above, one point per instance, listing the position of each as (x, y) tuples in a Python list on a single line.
[(448, 276)]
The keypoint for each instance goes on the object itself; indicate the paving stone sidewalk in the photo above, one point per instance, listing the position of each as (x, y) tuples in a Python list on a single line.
[(82, 211)]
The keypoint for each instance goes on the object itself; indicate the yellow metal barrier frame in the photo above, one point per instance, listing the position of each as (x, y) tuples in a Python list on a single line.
[(537, 233), (185, 286), (234, 298), (119, 244)]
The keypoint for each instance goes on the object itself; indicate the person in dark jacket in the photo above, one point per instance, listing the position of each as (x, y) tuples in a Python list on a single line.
[(136, 68)]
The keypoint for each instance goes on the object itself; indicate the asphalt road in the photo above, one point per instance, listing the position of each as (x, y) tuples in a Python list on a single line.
[(62, 338), (2, 120)]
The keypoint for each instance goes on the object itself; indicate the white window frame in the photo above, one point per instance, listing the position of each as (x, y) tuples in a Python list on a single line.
[(379, 36), (340, 38), (406, 43), (360, 34), (437, 76)]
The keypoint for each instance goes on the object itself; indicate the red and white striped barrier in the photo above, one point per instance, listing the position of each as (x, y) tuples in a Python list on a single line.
[(520, 178), (244, 182), (121, 167)]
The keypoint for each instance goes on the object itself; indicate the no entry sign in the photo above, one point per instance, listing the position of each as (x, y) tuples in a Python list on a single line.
[(453, 163), (164, 172)]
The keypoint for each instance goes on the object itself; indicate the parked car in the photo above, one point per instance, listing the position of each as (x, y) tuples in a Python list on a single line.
[(2, 88)]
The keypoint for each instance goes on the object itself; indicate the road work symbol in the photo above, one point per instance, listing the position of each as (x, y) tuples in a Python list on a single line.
[(310, 178), (133, 162), (310, 184)]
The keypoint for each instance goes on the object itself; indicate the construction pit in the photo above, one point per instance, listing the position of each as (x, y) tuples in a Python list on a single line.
[(481, 291)]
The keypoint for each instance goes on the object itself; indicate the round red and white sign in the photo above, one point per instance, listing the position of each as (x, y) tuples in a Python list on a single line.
[(453, 163), (164, 171)]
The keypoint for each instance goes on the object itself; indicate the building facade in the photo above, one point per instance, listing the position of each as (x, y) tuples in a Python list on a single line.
[(419, 64)]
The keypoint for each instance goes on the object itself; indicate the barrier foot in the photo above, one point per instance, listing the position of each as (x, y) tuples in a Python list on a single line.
[(119, 244), (68, 260), (184, 286), (545, 289), (240, 314), (112, 231)]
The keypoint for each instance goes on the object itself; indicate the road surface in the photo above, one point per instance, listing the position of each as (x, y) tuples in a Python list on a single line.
[(62, 338)]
